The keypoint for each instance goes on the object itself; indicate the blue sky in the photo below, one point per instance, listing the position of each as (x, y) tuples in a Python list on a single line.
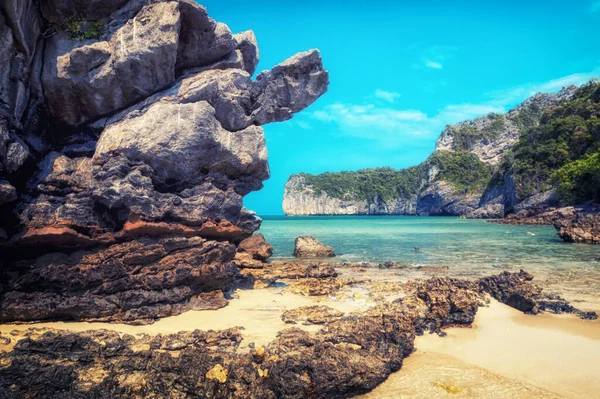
[(401, 70)]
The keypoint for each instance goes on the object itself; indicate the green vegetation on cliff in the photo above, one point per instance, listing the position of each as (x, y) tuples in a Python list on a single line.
[(463, 170), (559, 148), (562, 150), (579, 181), (366, 184)]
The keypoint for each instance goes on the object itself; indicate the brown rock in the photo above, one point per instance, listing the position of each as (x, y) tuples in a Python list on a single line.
[(141, 279), (349, 356), (257, 247), (311, 315), (583, 227), (517, 291)]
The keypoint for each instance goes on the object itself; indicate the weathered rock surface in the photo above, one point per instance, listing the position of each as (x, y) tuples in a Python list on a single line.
[(311, 315), (583, 227), (517, 291), (257, 246), (310, 247), (137, 281), (121, 182), (269, 274), (538, 215), (85, 80)]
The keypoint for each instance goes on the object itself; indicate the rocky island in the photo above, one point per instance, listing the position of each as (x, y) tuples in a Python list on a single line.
[(494, 166)]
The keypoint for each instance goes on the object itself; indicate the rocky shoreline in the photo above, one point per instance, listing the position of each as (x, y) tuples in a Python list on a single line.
[(579, 224), (297, 363)]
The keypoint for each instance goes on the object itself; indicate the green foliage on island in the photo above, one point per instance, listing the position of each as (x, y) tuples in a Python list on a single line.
[(579, 181), (462, 169), (558, 148), (368, 184), (528, 116), (466, 136), (561, 149)]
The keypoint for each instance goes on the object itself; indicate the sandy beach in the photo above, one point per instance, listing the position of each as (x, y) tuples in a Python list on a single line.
[(504, 354)]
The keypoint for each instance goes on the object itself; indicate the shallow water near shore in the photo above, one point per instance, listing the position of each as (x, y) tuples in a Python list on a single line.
[(469, 248)]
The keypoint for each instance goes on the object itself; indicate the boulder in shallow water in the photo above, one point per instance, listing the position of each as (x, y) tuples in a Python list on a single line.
[(310, 247)]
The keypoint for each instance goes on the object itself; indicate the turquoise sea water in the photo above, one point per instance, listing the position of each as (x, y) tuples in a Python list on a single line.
[(467, 247)]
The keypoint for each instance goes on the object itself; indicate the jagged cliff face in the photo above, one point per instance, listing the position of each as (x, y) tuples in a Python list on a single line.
[(301, 199), (125, 153), (488, 137)]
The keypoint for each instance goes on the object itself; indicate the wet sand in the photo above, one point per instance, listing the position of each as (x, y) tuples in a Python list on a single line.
[(506, 354)]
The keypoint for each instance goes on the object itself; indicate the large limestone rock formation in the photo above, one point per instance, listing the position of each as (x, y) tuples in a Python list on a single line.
[(121, 185)]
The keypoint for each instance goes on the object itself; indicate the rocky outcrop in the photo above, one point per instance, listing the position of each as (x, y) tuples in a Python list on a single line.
[(301, 199), (257, 247), (490, 136), (517, 291), (538, 215), (310, 247), (311, 315), (582, 227), (124, 202)]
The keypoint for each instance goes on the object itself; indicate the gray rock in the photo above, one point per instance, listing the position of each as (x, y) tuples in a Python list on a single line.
[(83, 81), (7, 192), (440, 198), (20, 45), (202, 40), (246, 43), (289, 87), (13, 151), (62, 10), (183, 143)]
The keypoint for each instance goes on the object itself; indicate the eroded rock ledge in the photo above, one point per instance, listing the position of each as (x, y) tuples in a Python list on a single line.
[(126, 147)]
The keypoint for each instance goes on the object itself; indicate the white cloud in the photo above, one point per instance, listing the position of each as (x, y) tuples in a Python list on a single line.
[(364, 120), (514, 95), (595, 6), (304, 125), (433, 64), (389, 96), (433, 57), (461, 112)]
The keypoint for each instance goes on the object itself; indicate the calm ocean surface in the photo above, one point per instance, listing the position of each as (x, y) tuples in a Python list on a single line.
[(467, 247)]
